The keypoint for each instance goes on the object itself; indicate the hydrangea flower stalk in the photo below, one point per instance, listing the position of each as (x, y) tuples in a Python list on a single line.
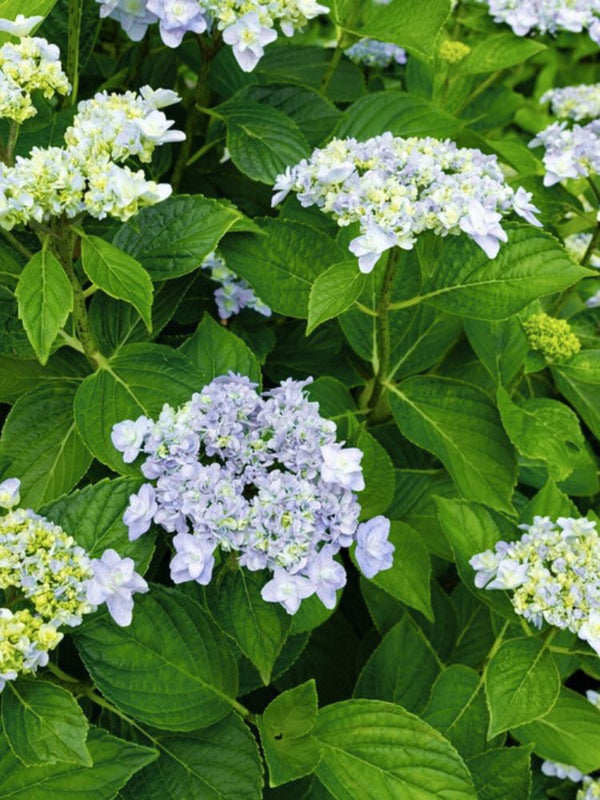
[(260, 475)]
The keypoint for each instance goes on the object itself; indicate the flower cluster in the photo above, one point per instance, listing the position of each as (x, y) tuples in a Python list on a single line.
[(233, 294), (373, 53), (590, 789), (43, 566), (31, 65), (548, 16), (259, 475), (246, 25), (553, 573), (569, 152), (397, 188), (552, 337), (574, 102), (87, 175)]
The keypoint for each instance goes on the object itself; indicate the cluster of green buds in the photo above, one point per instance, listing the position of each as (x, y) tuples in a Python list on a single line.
[(552, 337)]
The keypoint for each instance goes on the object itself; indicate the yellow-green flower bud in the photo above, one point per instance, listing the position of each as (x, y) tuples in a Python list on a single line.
[(552, 337), (453, 52)]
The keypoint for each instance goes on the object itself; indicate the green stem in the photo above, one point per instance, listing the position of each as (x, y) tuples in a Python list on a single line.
[(335, 60), (13, 135), (64, 243), (201, 93), (591, 246), (476, 92), (382, 329), (204, 149), (25, 251), (73, 46)]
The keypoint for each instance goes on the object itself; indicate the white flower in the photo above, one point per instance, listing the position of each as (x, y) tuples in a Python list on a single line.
[(327, 576), (248, 37), (342, 466), (289, 590), (374, 553), (194, 559), (590, 630), (114, 583), (159, 98), (371, 245), (155, 127), (486, 566), (511, 574), (524, 207), (9, 493), (20, 26), (483, 227)]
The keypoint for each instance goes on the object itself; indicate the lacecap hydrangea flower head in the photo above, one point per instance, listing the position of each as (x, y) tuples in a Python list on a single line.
[(259, 475), (31, 64), (53, 582), (553, 572), (246, 25), (87, 174), (569, 152), (397, 188), (548, 16)]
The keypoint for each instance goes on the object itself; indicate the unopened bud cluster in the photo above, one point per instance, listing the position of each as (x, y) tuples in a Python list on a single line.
[(246, 25), (397, 188), (233, 294), (257, 474), (552, 571), (548, 16), (552, 337), (454, 52)]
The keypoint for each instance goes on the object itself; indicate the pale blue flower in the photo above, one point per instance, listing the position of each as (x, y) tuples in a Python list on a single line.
[(115, 582), (289, 590), (142, 508), (374, 553), (194, 559)]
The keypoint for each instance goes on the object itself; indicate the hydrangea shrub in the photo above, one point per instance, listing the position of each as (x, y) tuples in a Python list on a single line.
[(300, 385)]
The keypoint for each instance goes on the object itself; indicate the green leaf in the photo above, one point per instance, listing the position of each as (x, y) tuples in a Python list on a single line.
[(549, 501), (457, 709), (498, 51), (401, 21), (262, 141), (471, 529), (579, 382), (401, 669), (44, 724), (400, 113), (173, 238), (521, 684), (503, 773), (45, 298), (114, 762), (283, 264), (569, 733), (333, 292), (171, 651), (21, 375), (137, 381), (220, 762), (530, 265), (118, 274), (544, 430), (408, 579), (93, 516), (214, 351), (459, 424), (500, 346), (285, 732), (378, 472), (379, 750), (475, 637), (260, 629), (41, 444)]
